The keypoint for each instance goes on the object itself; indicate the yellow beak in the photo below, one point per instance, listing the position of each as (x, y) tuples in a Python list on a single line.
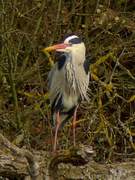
[(55, 47)]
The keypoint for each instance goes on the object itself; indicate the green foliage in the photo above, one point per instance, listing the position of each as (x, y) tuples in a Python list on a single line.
[(107, 121)]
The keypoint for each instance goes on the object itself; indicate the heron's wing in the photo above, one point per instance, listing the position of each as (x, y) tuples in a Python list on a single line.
[(88, 61), (56, 85), (56, 79), (86, 65)]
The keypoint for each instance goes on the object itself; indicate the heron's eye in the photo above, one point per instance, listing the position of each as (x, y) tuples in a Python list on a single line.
[(70, 43)]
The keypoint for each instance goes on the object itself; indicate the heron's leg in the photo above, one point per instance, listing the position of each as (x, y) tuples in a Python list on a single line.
[(74, 125), (56, 130)]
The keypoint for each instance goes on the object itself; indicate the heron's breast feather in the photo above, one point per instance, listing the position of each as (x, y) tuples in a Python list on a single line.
[(69, 101)]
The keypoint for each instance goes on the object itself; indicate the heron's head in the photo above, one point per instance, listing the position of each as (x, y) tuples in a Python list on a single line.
[(70, 44)]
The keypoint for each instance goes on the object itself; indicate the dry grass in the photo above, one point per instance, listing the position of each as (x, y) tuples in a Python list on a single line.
[(107, 121)]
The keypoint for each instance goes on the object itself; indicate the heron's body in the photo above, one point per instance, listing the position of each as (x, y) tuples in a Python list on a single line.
[(68, 80)]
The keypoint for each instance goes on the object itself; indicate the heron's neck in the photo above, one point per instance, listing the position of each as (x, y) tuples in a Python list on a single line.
[(78, 55)]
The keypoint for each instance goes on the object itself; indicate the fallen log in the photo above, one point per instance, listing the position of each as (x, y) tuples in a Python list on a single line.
[(75, 163)]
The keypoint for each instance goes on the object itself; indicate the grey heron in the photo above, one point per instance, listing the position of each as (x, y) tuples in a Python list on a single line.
[(68, 82)]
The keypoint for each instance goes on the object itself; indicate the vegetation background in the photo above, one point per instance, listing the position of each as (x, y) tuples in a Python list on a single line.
[(107, 27)]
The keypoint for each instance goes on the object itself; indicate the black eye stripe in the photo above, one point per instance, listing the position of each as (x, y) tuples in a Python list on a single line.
[(75, 41)]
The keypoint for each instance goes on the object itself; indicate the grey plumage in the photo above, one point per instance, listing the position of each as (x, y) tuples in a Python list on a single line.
[(68, 80)]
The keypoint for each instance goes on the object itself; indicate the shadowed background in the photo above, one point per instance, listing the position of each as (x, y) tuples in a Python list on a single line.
[(108, 30)]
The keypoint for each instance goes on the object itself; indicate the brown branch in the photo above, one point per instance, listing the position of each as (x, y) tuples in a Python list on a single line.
[(19, 162), (77, 156), (75, 163)]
